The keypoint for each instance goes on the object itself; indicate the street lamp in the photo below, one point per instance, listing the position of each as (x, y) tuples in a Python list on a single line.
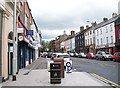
[(14, 61)]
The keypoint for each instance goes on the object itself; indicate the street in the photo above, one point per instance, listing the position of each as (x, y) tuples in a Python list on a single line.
[(107, 69)]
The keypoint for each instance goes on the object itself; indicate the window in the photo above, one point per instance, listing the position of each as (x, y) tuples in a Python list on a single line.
[(90, 40), (93, 40), (106, 29), (97, 41), (101, 41), (107, 40), (100, 31), (85, 42), (91, 32), (111, 39), (111, 28), (97, 32)]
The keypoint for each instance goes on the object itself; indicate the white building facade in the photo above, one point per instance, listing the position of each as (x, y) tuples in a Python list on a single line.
[(105, 36)]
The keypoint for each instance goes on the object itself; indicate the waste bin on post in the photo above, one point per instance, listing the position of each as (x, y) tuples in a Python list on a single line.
[(55, 72), (62, 66)]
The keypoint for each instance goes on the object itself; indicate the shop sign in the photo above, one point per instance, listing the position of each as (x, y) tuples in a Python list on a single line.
[(20, 38), (29, 32), (20, 30)]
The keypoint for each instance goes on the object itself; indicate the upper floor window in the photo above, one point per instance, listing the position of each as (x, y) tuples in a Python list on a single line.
[(106, 39), (93, 40), (97, 32), (111, 27), (90, 40), (86, 42), (88, 32), (106, 29), (100, 31), (101, 41), (91, 32), (111, 39), (97, 41)]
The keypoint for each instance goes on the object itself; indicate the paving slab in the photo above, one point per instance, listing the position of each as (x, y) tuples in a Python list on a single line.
[(41, 77)]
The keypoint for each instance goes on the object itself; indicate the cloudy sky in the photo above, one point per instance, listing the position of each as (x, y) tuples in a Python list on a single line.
[(55, 16)]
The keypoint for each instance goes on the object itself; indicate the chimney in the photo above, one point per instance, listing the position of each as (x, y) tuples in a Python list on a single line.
[(64, 32), (105, 19), (94, 24), (81, 28), (72, 33), (87, 26), (114, 14)]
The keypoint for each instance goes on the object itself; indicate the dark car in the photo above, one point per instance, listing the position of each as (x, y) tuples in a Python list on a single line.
[(91, 56), (116, 56), (101, 55), (49, 54)]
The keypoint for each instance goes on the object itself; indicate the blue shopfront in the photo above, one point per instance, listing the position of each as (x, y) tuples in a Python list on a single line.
[(25, 54)]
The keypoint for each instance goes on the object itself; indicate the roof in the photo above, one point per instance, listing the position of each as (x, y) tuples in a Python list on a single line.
[(106, 22)]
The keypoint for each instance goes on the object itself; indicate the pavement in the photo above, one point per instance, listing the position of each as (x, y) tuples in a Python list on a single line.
[(41, 77)]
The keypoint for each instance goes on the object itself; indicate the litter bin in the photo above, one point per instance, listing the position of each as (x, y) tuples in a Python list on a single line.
[(62, 66), (55, 73)]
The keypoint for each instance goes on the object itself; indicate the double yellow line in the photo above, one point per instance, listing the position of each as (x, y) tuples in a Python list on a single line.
[(105, 80)]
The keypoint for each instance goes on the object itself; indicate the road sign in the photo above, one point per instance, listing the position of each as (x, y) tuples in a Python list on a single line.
[(69, 67)]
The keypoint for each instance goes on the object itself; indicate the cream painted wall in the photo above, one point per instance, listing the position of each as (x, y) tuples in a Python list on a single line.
[(6, 27)]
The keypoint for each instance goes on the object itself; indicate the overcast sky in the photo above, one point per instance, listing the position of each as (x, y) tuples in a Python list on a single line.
[(55, 16)]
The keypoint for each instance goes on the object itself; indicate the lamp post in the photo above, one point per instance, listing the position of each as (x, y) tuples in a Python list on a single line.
[(14, 61)]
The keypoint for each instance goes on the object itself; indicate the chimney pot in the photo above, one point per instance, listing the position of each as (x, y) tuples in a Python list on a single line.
[(81, 28)]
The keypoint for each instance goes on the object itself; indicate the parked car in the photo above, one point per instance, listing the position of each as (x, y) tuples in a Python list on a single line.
[(65, 56), (116, 56), (82, 54), (101, 55), (49, 55), (75, 54), (91, 56), (45, 54), (71, 54)]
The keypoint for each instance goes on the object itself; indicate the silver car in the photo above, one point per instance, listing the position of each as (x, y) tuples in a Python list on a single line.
[(101, 55)]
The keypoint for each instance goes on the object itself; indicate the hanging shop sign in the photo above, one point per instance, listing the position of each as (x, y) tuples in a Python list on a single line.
[(20, 38), (29, 32)]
